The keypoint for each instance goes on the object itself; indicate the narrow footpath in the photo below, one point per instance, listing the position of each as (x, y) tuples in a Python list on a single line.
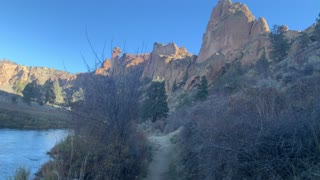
[(163, 153)]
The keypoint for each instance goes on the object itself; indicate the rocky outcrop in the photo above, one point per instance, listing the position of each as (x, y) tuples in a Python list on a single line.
[(116, 52), (169, 62), (105, 68), (119, 63), (231, 27), (170, 50)]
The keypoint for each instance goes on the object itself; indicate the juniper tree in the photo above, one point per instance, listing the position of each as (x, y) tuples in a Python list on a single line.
[(48, 92), (202, 91), (32, 92), (279, 43)]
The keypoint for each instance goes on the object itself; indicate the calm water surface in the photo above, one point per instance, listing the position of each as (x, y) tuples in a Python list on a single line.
[(26, 148)]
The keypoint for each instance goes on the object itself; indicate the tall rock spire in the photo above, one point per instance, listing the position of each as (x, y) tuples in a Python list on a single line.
[(231, 26)]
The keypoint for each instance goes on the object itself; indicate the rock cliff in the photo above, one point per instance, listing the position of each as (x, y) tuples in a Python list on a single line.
[(169, 62), (231, 27), (118, 64)]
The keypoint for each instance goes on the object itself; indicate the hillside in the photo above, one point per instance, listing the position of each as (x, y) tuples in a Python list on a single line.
[(11, 73)]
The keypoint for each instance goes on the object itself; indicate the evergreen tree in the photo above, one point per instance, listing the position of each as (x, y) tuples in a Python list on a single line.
[(262, 66), (19, 85), (58, 92), (32, 92), (303, 40), (77, 96), (279, 43), (202, 91), (156, 106), (48, 93)]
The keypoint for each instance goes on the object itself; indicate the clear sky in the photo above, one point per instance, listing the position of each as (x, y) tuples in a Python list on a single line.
[(52, 33)]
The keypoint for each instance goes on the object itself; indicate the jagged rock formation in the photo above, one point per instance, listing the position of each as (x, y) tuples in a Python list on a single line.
[(124, 63), (232, 34), (104, 69), (169, 62), (231, 27), (116, 52)]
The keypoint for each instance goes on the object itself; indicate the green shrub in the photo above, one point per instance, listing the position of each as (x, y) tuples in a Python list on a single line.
[(22, 174), (279, 43)]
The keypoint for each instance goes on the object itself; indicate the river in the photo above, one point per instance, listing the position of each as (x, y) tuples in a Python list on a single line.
[(26, 148)]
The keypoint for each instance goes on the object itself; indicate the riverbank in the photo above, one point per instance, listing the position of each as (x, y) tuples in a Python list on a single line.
[(14, 119), (23, 116)]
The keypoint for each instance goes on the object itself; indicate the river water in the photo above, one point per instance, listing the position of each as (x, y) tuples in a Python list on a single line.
[(26, 148)]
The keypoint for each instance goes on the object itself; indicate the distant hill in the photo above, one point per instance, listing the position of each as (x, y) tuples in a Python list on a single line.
[(11, 73)]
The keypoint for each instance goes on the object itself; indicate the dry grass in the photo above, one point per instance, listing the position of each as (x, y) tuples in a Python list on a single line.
[(23, 116)]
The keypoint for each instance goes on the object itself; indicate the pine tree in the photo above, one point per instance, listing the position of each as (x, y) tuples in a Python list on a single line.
[(279, 43), (202, 91), (156, 106), (32, 92), (48, 93), (77, 96), (58, 92)]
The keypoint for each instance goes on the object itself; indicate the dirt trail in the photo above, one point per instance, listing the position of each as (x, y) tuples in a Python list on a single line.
[(162, 155)]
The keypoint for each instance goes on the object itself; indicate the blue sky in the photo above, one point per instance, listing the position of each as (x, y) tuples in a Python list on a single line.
[(52, 33)]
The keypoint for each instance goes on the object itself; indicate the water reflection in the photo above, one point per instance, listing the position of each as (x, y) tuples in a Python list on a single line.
[(26, 148)]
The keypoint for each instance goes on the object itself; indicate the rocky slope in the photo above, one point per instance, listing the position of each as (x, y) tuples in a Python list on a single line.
[(11, 72)]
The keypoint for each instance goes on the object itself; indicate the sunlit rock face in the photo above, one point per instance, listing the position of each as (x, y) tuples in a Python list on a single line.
[(121, 62), (231, 26), (11, 72), (169, 62)]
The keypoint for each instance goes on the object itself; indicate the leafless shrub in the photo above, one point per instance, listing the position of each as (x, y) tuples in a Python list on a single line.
[(106, 144), (256, 133)]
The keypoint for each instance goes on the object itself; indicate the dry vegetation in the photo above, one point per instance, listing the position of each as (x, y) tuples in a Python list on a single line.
[(22, 116), (254, 126), (106, 144)]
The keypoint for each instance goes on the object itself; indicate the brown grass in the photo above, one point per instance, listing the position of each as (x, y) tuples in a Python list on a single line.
[(23, 116)]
